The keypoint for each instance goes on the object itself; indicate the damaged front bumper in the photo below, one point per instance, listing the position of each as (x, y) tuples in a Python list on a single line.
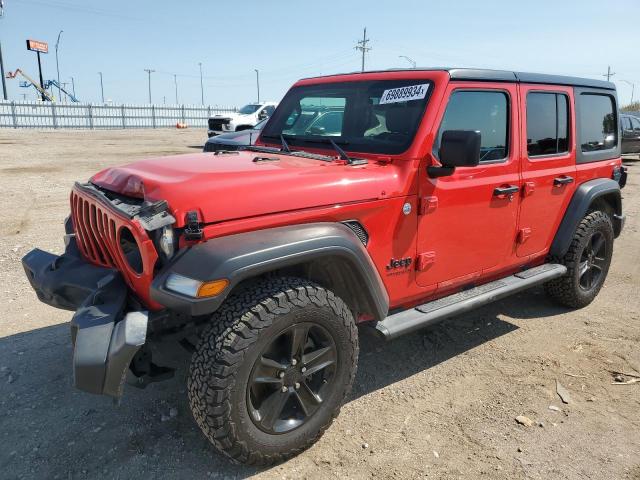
[(105, 337)]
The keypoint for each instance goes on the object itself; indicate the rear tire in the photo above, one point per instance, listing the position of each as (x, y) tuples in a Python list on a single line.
[(587, 261), (261, 394)]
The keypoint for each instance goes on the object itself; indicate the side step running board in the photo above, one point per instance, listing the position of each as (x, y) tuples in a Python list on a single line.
[(419, 317)]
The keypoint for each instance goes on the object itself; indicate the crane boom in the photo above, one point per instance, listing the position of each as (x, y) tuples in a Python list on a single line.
[(29, 79)]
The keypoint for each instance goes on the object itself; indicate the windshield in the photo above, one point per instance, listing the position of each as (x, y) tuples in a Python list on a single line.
[(249, 109), (372, 116)]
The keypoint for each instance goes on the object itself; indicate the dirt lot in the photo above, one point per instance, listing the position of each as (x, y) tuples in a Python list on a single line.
[(438, 404)]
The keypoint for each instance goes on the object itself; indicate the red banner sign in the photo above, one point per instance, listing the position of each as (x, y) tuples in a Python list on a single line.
[(38, 46)]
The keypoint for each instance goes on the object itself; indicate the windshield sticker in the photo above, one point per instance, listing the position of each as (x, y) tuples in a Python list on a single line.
[(404, 94)]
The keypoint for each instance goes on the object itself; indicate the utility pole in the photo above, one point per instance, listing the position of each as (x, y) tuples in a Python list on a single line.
[(4, 80), (58, 65), (201, 85), (258, 82), (175, 81), (149, 71), (408, 59), (73, 86), (609, 74), (101, 87), (362, 46)]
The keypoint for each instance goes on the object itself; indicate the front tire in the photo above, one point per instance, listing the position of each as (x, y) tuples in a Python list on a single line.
[(587, 261), (272, 370)]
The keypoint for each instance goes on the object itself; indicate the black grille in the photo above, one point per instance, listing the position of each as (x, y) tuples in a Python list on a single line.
[(359, 230), (217, 123)]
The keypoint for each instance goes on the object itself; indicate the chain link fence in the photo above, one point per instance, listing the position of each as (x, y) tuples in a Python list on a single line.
[(88, 116)]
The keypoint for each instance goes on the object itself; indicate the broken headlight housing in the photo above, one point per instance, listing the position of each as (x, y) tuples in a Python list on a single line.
[(166, 242)]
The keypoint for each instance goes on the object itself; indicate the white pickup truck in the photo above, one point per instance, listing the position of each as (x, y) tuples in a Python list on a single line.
[(243, 119)]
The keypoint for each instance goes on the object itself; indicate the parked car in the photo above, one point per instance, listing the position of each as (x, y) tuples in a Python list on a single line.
[(437, 192), (630, 133), (234, 140), (243, 119)]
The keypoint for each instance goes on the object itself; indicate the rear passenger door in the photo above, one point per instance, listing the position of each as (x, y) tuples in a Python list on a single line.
[(548, 164)]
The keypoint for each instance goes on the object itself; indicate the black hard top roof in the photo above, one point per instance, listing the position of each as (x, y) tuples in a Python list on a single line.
[(485, 75)]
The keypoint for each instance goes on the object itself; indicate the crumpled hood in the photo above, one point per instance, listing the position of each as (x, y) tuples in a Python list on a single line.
[(231, 186)]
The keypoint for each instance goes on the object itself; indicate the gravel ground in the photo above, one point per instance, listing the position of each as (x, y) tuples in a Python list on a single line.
[(441, 403)]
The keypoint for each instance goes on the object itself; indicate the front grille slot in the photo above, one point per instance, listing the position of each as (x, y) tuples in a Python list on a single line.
[(95, 231)]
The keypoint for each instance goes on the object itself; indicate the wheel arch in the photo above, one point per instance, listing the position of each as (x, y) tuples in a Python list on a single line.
[(329, 254), (598, 194)]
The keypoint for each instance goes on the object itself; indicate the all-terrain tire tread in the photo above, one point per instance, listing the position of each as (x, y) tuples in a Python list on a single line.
[(223, 343), (564, 290)]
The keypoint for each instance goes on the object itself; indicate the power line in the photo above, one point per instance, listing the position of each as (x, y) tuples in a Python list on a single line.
[(362, 46)]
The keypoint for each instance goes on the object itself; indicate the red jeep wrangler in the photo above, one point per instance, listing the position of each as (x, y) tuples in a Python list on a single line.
[(393, 199)]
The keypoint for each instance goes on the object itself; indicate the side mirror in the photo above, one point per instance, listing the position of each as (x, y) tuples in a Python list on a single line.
[(262, 115), (458, 148)]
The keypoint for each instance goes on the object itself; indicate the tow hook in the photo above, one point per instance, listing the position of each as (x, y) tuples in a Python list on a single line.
[(192, 230)]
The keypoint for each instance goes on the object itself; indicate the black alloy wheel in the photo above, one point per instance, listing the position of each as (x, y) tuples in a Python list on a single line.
[(593, 261), (291, 378)]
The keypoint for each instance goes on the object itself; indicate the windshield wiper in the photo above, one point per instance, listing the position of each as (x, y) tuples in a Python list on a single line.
[(343, 155), (285, 145), (283, 142)]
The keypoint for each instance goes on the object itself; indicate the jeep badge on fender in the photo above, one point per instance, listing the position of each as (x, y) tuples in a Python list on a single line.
[(272, 263)]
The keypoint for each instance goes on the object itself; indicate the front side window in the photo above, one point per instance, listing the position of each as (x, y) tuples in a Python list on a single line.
[(626, 123), (547, 123), (483, 111), (635, 123), (368, 116), (598, 129)]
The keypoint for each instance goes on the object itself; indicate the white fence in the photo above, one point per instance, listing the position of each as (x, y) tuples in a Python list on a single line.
[(83, 115)]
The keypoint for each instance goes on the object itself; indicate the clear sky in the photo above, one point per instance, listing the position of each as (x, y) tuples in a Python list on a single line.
[(287, 40)]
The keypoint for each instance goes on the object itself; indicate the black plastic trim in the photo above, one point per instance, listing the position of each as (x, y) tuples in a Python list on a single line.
[(582, 199), (246, 255)]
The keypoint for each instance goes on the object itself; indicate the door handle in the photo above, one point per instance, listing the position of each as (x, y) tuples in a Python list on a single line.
[(510, 190), (562, 180)]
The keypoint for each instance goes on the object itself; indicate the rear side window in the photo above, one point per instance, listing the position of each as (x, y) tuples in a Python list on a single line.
[(547, 123), (483, 111), (598, 129), (635, 123)]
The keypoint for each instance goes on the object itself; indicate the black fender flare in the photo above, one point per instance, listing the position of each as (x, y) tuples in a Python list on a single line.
[(246, 255), (582, 199)]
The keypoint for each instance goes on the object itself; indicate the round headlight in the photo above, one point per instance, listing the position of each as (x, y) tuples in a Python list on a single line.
[(167, 241)]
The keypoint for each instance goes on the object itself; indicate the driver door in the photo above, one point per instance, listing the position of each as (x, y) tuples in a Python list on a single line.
[(466, 226)]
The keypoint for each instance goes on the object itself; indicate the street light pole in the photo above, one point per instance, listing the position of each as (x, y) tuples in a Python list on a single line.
[(201, 85), (73, 86), (258, 82), (175, 81), (4, 81), (149, 71), (58, 65), (408, 59), (101, 87), (633, 87)]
